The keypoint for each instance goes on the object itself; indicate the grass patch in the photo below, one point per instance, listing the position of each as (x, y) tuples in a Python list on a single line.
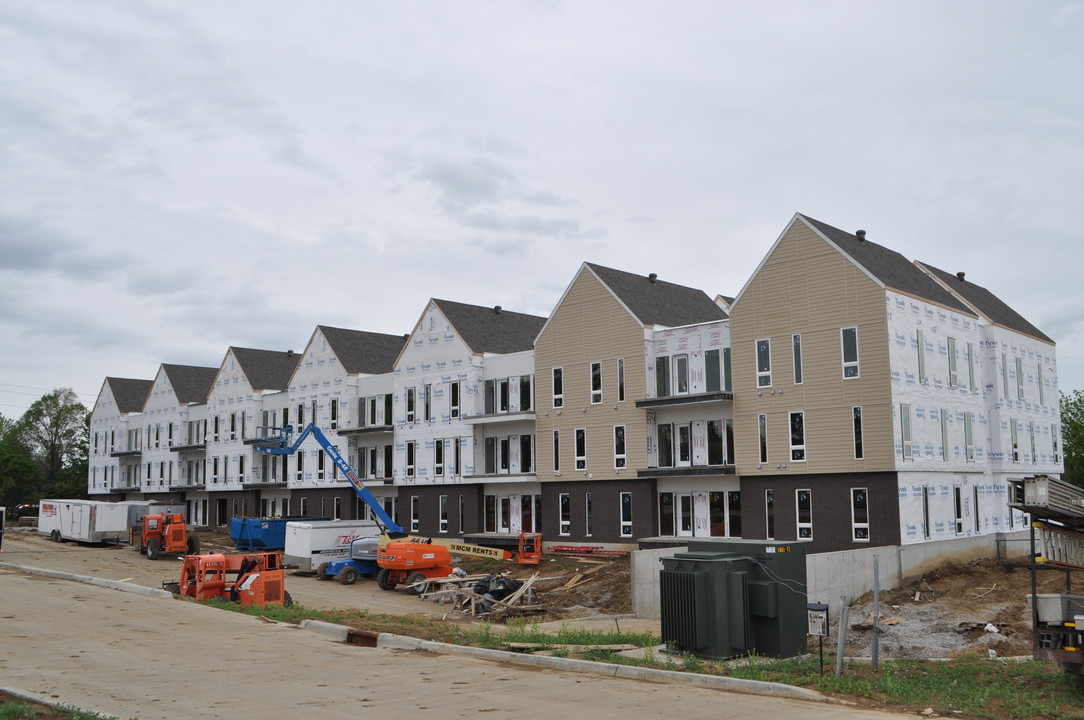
[(16, 710)]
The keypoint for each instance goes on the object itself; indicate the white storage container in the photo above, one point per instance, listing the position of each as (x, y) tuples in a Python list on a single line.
[(309, 543)]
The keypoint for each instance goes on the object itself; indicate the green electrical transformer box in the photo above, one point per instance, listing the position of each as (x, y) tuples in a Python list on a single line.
[(729, 598)]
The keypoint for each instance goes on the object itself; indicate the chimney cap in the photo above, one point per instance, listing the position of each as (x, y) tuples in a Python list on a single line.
[(497, 309), (653, 277), (861, 235), (960, 276)]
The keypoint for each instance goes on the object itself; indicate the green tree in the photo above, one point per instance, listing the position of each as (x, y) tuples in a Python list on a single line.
[(55, 429), (20, 481), (1072, 436)]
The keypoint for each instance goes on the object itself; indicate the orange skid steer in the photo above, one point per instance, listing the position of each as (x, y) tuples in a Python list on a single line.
[(251, 579)]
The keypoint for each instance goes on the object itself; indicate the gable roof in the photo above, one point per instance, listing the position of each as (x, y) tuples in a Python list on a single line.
[(985, 302), (129, 394), (363, 352), (656, 302), (891, 268), (491, 329), (266, 369), (191, 384)]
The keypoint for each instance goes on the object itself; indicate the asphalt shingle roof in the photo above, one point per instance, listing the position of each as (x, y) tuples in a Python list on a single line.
[(361, 352), (988, 304), (191, 384), (656, 302), (492, 329), (266, 369), (890, 267), (130, 394)]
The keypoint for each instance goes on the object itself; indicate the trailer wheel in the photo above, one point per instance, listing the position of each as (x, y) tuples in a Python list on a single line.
[(153, 547), (287, 601), (193, 545), (348, 576), (416, 578), (321, 572), (55, 536), (383, 580)]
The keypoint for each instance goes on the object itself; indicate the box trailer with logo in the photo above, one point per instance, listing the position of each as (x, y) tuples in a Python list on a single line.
[(310, 543), (89, 521)]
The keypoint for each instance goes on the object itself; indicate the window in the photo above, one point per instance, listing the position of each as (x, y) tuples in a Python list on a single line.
[(453, 393), (621, 380), (926, 511), (526, 393), (975, 506), (1055, 434), (856, 424), (1005, 374), (769, 514), (712, 374), (558, 388), (729, 441), (490, 456), (681, 374), (762, 424), (1039, 380), (438, 457), (859, 515), (796, 341), (667, 524), (1019, 379), (415, 507), (596, 383), (334, 410), (504, 400), (300, 465), (619, 446), (443, 513), (462, 514), (944, 435), (626, 514), (588, 527), (970, 366), (410, 450), (581, 449), (457, 457), (728, 385), (958, 509), (427, 402), (716, 448), (410, 405), (969, 438), (849, 338), (684, 444), (1014, 436), (320, 460), (920, 343), (556, 451), (526, 456), (804, 500), (490, 514), (666, 444), (905, 426), (1031, 432), (566, 513), (764, 363), (662, 376), (953, 379), (797, 437)]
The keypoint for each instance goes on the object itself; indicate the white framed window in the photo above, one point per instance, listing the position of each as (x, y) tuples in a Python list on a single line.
[(427, 402), (1005, 374), (796, 342), (1019, 378), (438, 457), (621, 380), (619, 446), (713, 376), (969, 437), (321, 458), (728, 428), (1055, 436), (681, 374), (920, 343), (953, 377), (926, 511), (565, 501), (453, 402), (526, 393), (443, 513), (300, 465), (1039, 381), (769, 514), (588, 516), (558, 387), (762, 427), (804, 502), (975, 508), (556, 451), (1014, 437), (410, 399), (797, 437), (905, 429), (626, 514), (716, 445), (764, 363), (415, 510), (665, 433), (684, 444), (1031, 432), (859, 515), (958, 509), (526, 453), (596, 383), (333, 409), (849, 347), (662, 376), (581, 448), (856, 425), (411, 449), (944, 435), (971, 366)]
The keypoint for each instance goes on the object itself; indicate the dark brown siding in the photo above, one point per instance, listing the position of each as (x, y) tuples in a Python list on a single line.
[(605, 511), (831, 509)]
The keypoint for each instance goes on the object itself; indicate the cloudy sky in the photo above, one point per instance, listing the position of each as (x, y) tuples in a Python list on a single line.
[(179, 177)]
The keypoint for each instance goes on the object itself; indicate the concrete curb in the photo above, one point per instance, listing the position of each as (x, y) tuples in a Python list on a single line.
[(115, 584)]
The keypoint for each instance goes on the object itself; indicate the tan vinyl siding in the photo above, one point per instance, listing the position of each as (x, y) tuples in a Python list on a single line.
[(809, 288), (590, 325)]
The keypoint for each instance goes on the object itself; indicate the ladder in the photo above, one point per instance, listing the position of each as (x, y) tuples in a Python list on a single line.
[(1058, 546)]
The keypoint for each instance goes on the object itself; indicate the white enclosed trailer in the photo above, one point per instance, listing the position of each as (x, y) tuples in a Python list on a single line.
[(89, 521), (309, 543)]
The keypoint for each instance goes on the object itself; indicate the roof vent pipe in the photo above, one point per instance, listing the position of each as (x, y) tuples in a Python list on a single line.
[(861, 235), (497, 309), (960, 275), (653, 277)]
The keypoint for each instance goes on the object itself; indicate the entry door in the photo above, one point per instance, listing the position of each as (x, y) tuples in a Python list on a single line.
[(516, 509), (685, 519), (221, 512), (506, 515)]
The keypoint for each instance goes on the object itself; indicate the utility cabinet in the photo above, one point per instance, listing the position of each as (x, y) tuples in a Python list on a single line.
[(727, 598)]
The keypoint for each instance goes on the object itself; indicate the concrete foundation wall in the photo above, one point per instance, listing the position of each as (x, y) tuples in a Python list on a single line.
[(847, 574)]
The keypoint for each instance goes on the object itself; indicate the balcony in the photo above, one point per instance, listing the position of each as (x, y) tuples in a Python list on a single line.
[(187, 448), (679, 400), (273, 484), (493, 418), (685, 471), (126, 453), (366, 430)]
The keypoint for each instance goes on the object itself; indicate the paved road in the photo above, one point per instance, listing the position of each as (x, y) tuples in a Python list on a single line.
[(134, 656)]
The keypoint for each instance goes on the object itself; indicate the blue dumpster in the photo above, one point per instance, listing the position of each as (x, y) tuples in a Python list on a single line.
[(263, 533)]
